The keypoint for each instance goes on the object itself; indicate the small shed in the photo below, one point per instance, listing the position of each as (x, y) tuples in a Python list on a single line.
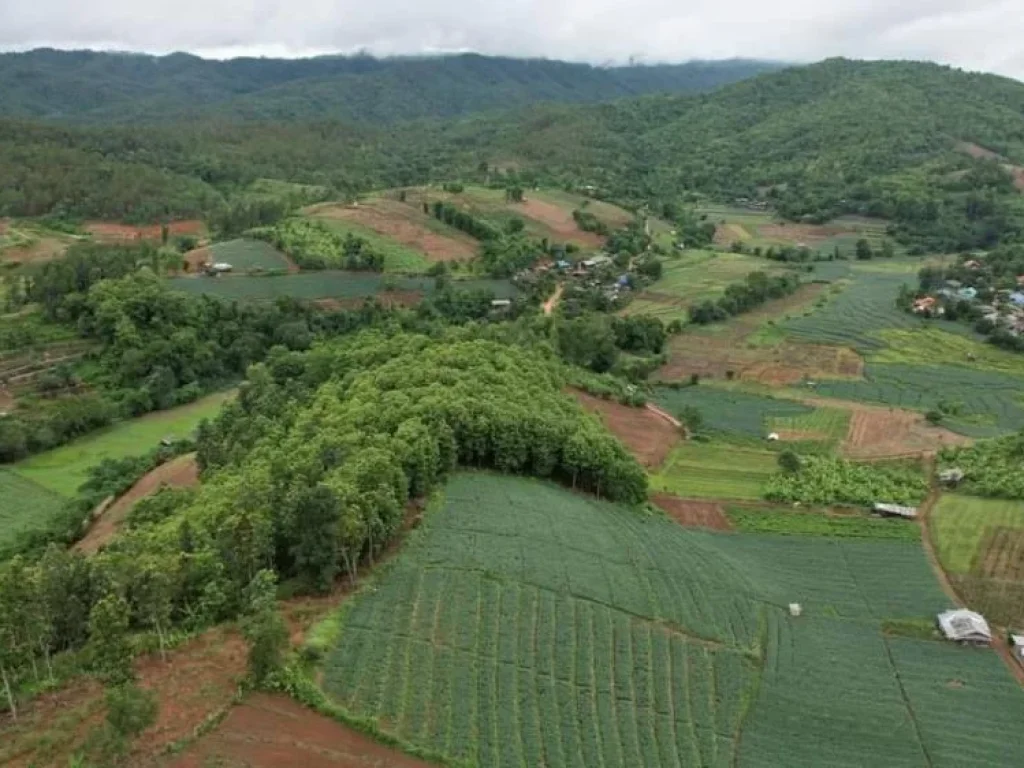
[(501, 303), (773, 436), (965, 627), (221, 266), (951, 476), (1017, 646), (895, 510), (795, 609)]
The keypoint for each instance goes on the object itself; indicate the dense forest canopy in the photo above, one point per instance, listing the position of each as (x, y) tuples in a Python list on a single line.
[(123, 87)]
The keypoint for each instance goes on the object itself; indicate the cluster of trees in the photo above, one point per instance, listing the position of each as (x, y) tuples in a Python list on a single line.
[(595, 341), (313, 245), (462, 220), (755, 290), (588, 222)]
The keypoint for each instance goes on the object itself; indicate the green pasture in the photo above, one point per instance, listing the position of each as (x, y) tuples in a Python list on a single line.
[(244, 254), (65, 468), (733, 411), (960, 523), (329, 284), (525, 625)]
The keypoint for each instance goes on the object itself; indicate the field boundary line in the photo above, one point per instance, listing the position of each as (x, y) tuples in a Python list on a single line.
[(906, 702)]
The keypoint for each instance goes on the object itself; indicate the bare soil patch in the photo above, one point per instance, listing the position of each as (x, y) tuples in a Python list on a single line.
[(386, 298), (403, 224), (198, 679), (195, 260), (559, 221), (110, 232), (647, 435), (269, 731), (688, 512), (878, 432), (181, 472), (43, 249)]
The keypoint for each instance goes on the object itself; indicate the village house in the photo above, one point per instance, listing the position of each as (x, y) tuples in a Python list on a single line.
[(965, 627), (924, 304)]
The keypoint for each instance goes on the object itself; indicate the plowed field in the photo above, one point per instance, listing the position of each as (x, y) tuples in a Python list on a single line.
[(648, 436)]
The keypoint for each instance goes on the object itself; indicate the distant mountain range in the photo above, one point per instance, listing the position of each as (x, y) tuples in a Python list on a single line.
[(114, 87)]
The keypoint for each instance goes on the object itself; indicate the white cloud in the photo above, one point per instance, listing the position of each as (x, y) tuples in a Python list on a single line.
[(974, 34)]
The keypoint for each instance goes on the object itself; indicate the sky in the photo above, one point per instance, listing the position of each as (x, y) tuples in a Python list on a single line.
[(981, 35)]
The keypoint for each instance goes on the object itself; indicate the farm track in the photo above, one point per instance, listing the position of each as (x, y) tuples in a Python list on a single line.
[(998, 641), (552, 301)]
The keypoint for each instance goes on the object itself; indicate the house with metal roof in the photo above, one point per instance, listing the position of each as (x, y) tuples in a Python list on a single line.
[(895, 510), (963, 626)]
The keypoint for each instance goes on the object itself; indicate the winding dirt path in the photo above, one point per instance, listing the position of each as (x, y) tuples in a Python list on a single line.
[(552, 302), (663, 415)]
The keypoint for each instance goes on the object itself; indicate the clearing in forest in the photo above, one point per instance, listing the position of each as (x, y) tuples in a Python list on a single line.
[(65, 468), (404, 224), (199, 679), (715, 470), (761, 229), (111, 232), (648, 436), (526, 625), (692, 512)]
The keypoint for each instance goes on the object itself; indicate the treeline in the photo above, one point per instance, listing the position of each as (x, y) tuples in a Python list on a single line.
[(313, 245), (754, 291), (461, 220), (309, 472)]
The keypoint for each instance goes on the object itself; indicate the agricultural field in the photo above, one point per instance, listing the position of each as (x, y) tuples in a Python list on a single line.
[(244, 255), (761, 229), (25, 242), (324, 285), (732, 411), (64, 469), (715, 470), (545, 213), (693, 276), (523, 624), (26, 506), (790, 522), (409, 239), (980, 543), (828, 480)]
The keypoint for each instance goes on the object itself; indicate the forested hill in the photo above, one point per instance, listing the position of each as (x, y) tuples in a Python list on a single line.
[(86, 85), (931, 148)]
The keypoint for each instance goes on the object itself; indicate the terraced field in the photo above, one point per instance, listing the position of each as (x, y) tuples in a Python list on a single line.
[(715, 470), (526, 625), (761, 229)]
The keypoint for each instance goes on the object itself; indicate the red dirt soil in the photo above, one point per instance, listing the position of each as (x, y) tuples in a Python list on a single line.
[(182, 472), (699, 514), (879, 432), (559, 221), (647, 435), (269, 731), (386, 298), (398, 222), (198, 679), (109, 232)]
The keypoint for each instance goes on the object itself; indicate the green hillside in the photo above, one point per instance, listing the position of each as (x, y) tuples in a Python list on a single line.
[(119, 87), (525, 624)]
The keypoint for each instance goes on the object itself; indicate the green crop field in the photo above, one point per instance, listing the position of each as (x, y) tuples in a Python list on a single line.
[(26, 506), (980, 543), (323, 285), (732, 411), (693, 276), (936, 346), (817, 523), (988, 403), (397, 257), (244, 254), (715, 470), (64, 469), (525, 625), (829, 425)]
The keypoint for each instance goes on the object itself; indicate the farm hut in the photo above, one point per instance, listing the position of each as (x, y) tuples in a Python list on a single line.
[(952, 476), (795, 609), (1017, 645), (965, 627), (972, 264), (895, 510), (219, 267), (501, 303), (773, 436), (924, 304)]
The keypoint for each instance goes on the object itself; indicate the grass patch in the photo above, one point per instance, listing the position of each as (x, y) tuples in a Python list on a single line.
[(959, 525), (918, 629), (64, 469), (731, 411), (819, 523), (244, 255), (715, 470)]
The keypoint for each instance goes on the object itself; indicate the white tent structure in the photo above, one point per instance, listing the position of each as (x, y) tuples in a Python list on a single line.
[(965, 626)]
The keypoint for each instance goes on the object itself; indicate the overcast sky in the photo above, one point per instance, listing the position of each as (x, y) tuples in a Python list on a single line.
[(974, 34)]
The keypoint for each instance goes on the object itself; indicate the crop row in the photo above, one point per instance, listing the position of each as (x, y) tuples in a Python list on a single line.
[(26, 505)]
